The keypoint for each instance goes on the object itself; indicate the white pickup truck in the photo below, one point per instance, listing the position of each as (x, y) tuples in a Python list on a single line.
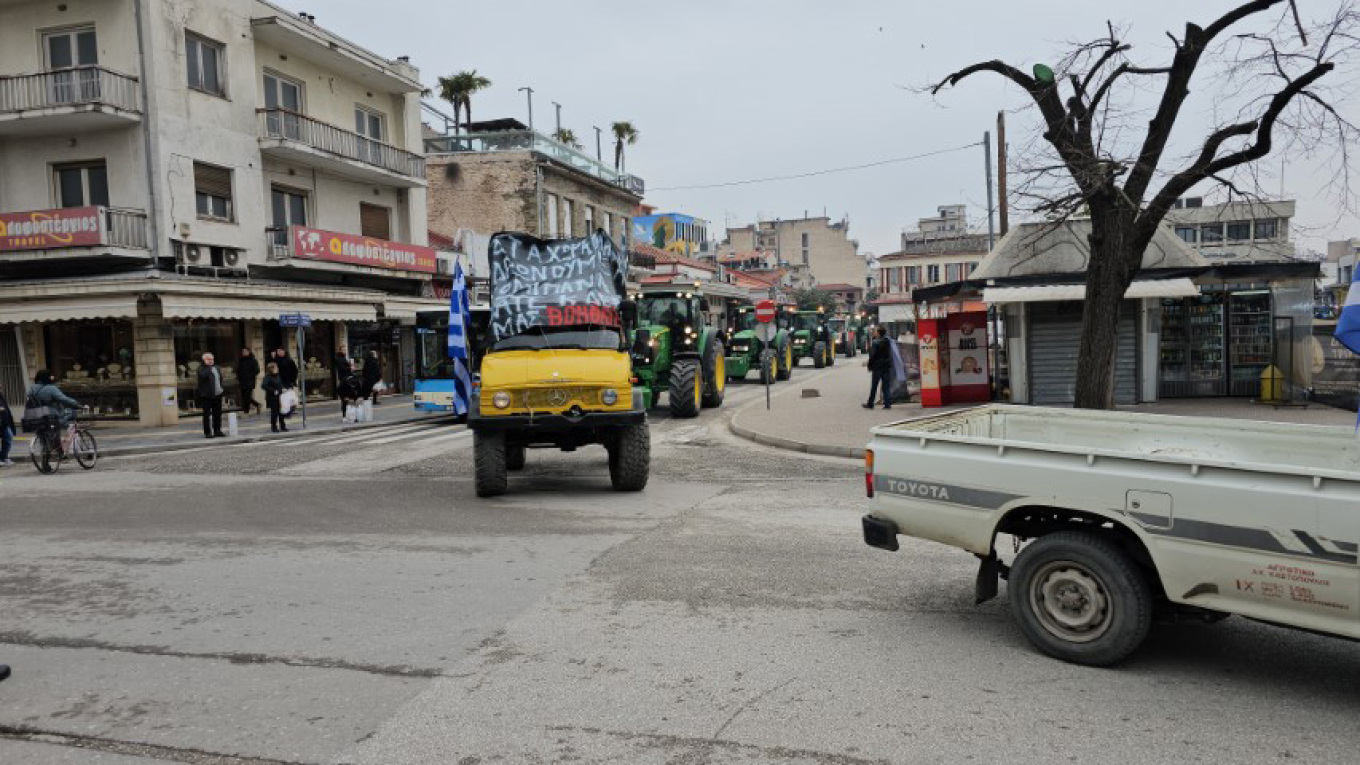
[(1125, 517)]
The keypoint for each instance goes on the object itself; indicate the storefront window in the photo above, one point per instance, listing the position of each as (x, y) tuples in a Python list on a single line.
[(224, 340), (93, 363), (383, 337), (318, 355)]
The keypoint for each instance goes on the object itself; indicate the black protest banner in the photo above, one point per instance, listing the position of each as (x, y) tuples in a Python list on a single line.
[(554, 283)]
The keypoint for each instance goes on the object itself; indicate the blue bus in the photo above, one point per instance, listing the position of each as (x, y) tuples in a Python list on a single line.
[(434, 368)]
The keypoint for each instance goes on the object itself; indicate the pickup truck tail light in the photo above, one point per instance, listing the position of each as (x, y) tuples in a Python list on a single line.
[(869, 473)]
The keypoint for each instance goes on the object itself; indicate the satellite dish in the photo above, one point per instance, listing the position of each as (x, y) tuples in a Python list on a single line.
[(1043, 74)]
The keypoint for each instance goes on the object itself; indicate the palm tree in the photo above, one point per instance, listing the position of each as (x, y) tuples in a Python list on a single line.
[(457, 89), (624, 132), (568, 137)]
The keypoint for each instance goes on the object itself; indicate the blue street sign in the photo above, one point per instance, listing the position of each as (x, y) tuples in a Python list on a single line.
[(294, 320)]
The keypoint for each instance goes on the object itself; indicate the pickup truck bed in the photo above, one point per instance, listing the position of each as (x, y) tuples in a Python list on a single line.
[(1210, 516)]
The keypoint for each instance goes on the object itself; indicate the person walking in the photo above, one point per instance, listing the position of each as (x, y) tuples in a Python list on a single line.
[(880, 368), (209, 394), (341, 367), (273, 388), (288, 369), (372, 376), (247, 369), (6, 431)]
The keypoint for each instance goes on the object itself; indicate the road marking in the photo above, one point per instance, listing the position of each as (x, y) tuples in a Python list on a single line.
[(399, 437), (375, 433), (442, 438)]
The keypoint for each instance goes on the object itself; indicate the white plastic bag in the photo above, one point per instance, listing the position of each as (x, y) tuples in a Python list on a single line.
[(366, 411), (233, 425), (351, 413), (288, 401)]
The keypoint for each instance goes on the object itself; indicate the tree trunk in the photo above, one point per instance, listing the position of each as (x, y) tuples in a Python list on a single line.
[(1115, 257), (618, 154)]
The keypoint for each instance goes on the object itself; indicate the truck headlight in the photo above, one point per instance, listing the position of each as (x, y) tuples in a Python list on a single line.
[(501, 400), (610, 397)]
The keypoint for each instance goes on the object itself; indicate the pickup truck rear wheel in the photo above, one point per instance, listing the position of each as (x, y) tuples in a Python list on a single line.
[(488, 463), (1080, 598)]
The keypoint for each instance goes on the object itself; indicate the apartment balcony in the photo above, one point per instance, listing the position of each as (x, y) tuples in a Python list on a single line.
[(73, 233), (298, 138), (300, 246), (68, 101), (528, 140)]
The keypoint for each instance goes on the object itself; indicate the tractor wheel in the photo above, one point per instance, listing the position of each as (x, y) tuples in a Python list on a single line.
[(769, 369), (784, 365), (630, 458), (686, 388), (819, 354), (515, 457), (831, 355), (488, 460), (715, 374)]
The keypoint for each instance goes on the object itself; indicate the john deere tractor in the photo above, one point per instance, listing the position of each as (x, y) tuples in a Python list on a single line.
[(745, 348), (675, 352), (813, 339), (846, 333)]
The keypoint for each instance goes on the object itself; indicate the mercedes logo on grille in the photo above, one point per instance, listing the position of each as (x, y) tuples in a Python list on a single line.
[(558, 397)]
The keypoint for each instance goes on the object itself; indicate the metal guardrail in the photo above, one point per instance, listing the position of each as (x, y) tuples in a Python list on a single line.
[(528, 140), (279, 246), (125, 228), (286, 125), (69, 87)]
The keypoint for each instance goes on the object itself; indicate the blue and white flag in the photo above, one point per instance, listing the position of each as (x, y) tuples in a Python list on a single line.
[(1348, 324), (458, 341)]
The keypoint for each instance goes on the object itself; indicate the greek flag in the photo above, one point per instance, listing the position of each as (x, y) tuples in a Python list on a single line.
[(1348, 324), (458, 343)]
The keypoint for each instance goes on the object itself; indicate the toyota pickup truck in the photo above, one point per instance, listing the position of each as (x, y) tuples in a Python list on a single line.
[(1120, 518)]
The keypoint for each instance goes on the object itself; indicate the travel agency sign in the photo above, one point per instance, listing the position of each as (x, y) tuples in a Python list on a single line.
[(51, 229), (315, 244)]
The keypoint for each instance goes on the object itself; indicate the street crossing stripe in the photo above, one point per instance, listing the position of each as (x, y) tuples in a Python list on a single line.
[(398, 437), (348, 436), (444, 437), (378, 433)]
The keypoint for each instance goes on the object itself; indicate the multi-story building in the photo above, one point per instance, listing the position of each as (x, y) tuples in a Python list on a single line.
[(502, 176), (823, 250), (177, 174), (939, 251), (1235, 232), (1342, 258)]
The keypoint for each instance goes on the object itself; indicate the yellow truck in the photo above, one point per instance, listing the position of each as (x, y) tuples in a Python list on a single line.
[(558, 373)]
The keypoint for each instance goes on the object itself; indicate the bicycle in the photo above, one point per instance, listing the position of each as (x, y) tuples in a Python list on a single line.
[(50, 447)]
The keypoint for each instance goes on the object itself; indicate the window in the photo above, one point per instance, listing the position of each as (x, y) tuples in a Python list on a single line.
[(609, 223), (590, 220), (289, 209), (953, 272), (972, 267), (1211, 233), (805, 240), (206, 61), (1267, 228), (932, 274), (67, 53), (372, 131), (212, 191), (913, 275), (81, 185), (568, 217), (375, 221), (283, 99), (551, 202), (805, 257), (1239, 230), (1188, 234)]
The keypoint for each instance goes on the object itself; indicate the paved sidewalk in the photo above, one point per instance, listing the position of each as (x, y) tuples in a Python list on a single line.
[(835, 424), (322, 417)]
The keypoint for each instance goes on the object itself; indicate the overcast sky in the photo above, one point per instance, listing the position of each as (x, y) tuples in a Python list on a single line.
[(729, 90)]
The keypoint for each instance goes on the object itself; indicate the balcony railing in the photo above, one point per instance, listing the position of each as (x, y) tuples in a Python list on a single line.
[(72, 228), (278, 241), (69, 87), (528, 140), (285, 125)]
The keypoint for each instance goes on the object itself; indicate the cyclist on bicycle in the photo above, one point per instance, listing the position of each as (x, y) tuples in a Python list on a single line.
[(46, 393)]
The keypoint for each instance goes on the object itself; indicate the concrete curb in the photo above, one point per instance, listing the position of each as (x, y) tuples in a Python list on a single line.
[(178, 446), (777, 442)]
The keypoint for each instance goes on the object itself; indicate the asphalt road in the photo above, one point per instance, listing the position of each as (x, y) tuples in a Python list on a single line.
[(347, 599)]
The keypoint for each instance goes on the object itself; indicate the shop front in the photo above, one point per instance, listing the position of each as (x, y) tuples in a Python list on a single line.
[(383, 338), (1217, 343), (94, 362)]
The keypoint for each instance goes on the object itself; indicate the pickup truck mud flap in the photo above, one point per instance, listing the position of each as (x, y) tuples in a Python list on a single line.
[(880, 533)]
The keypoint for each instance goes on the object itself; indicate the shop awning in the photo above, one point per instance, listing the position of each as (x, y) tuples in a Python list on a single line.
[(406, 308), (1055, 293), (71, 308), (207, 307)]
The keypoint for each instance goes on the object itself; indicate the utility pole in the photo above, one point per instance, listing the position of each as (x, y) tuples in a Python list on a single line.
[(530, 91), (1003, 204), (559, 116), (599, 155), (987, 161)]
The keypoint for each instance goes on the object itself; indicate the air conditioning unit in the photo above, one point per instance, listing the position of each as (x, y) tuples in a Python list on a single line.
[(444, 267), (193, 254)]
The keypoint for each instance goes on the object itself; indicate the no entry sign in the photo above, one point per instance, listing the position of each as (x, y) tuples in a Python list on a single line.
[(765, 311)]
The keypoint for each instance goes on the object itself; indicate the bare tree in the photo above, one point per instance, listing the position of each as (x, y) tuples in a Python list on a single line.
[(1268, 79)]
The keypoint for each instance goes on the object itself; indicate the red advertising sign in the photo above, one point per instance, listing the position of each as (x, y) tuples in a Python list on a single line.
[(315, 244), (51, 229), (765, 311)]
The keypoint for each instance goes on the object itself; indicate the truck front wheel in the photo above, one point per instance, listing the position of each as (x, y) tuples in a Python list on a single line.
[(1080, 598), (488, 462), (630, 458)]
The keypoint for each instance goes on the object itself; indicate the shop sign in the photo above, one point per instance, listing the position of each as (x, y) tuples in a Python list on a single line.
[(51, 229), (332, 247)]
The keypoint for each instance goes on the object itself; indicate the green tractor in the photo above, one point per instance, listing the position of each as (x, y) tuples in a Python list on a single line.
[(675, 352), (745, 348), (813, 339), (846, 333)]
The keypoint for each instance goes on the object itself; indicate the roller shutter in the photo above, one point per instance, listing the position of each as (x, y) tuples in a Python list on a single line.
[(1054, 340)]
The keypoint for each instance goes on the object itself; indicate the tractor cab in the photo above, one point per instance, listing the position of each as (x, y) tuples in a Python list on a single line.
[(675, 350), (812, 338)]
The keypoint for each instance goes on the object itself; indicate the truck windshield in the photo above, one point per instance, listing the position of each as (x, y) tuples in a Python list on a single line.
[(836, 325), (746, 320), (663, 310), (561, 338), (806, 321)]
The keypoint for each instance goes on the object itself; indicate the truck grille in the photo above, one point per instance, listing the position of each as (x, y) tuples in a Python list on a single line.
[(559, 398)]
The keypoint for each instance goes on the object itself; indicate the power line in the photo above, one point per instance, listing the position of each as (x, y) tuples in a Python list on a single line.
[(847, 169)]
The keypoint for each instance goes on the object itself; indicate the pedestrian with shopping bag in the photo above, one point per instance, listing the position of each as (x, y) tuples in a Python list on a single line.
[(272, 385), (372, 377)]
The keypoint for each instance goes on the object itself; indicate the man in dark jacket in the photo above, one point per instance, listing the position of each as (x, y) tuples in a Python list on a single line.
[(288, 369), (880, 368), (209, 395), (247, 369), (6, 431), (342, 368)]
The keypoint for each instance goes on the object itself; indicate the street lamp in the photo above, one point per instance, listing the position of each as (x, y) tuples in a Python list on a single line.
[(559, 117), (530, 92), (599, 155)]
